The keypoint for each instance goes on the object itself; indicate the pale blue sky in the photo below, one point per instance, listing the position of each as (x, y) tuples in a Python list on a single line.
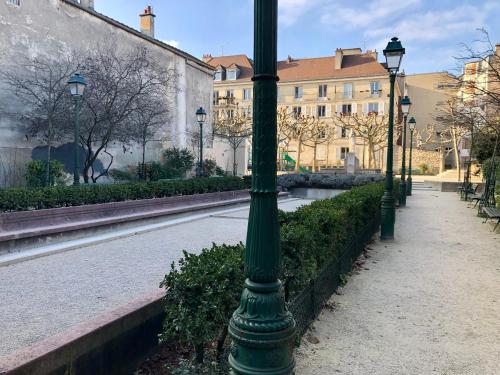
[(431, 30)]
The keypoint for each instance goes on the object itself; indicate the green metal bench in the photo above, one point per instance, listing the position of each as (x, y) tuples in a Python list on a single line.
[(491, 214)]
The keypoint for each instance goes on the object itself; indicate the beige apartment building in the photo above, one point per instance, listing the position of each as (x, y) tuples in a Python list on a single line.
[(350, 82), (429, 94)]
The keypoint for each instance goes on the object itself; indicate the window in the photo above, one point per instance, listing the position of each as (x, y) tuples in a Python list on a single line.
[(218, 76), (343, 133), (14, 2), (230, 113), (347, 90), (216, 97), (247, 94), (298, 92), (297, 111), (343, 152), (373, 108), (322, 91), (346, 109), (232, 74), (322, 134), (375, 89), (229, 94), (321, 110)]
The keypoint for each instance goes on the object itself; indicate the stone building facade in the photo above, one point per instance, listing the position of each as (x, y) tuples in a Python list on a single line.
[(30, 28), (349, 82)]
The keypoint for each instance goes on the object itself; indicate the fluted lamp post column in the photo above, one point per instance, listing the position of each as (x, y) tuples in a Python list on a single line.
[(262, 329), (393, 55), (77, 86), (201, 117), (411, 124), (405, 108)]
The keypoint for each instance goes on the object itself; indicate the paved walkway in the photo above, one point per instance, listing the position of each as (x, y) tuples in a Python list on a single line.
[(427, 303), (45, 296)]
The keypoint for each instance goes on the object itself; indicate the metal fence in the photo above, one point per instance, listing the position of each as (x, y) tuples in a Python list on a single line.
[(307, 305)]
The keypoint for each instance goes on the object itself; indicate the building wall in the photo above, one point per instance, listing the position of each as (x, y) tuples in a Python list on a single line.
[(56, 27), (328, 154)]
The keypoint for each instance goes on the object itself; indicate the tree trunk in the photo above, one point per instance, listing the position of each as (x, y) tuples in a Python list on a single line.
[(457, 153), (314, 156), (220, 343), (371, 155), (143, 165), (235, 164), (199, 350), (441, 159), (49, 153), (297, 162)]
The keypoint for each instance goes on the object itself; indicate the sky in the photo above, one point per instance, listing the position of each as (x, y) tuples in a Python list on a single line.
[(432, 31)]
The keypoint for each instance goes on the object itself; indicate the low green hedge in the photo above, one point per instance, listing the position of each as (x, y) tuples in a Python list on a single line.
[(24, 199), (204, 290)]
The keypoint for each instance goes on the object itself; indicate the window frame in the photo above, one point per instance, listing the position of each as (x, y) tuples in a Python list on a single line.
[(321, 111), (323, 91), (348, 94), (298, 92)]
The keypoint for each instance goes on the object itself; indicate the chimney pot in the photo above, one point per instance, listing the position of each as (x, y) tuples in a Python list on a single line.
[(87, 4)]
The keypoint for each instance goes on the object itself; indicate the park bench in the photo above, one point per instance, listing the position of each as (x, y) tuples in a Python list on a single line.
[(491, 214), (470, 190)]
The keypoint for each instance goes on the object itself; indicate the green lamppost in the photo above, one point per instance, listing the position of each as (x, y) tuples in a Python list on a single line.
[(201, 116), (77, 86), (393, 55), (412, 125), (262, 329), (405, 108)]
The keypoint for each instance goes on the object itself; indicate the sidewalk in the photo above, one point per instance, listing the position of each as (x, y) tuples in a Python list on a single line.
[(427, 303)]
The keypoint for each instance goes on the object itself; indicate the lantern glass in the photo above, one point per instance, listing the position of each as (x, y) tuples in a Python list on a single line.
[(77, 85), (412, 124), (201, 115), (405, 105)]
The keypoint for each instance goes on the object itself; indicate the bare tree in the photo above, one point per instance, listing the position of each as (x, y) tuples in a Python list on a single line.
[(321, 132), (371, 127), (146, 122), (450, 117), (118, 84), (233, 125), (41, 85)]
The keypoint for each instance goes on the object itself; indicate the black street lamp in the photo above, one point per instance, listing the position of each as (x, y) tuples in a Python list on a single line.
[(262, 329), (77, 86), (201, 117), (393, 55), (412, 125), (405, 108)]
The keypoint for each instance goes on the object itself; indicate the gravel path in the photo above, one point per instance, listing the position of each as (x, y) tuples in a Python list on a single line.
[(427, 303), (45, 296)]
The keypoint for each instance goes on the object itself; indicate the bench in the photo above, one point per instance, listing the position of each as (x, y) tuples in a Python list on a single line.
[(492, 213)]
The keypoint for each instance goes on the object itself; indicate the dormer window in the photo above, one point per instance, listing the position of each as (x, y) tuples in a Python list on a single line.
[(220, 74), (233, 73), (14, 2)]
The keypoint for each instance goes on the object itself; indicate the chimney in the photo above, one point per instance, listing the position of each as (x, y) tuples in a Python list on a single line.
[(148, 22), (207, 57), (87, 4), (339, 55), (373, 54)]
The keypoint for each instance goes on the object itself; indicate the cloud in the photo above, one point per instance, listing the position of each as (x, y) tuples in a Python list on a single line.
[(290, 11), (367, 15), (173, 43)]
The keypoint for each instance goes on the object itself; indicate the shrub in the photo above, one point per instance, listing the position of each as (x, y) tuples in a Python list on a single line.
[(36, 173), (176, 162), (210, 168), (204, 290), (326, 181), (24, 199)]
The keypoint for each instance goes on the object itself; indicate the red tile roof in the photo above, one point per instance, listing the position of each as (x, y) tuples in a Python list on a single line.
[(363, 65)]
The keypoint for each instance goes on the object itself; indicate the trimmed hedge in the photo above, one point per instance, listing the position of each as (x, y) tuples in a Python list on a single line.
[(326, 181), (203, 290), (25, 199)]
